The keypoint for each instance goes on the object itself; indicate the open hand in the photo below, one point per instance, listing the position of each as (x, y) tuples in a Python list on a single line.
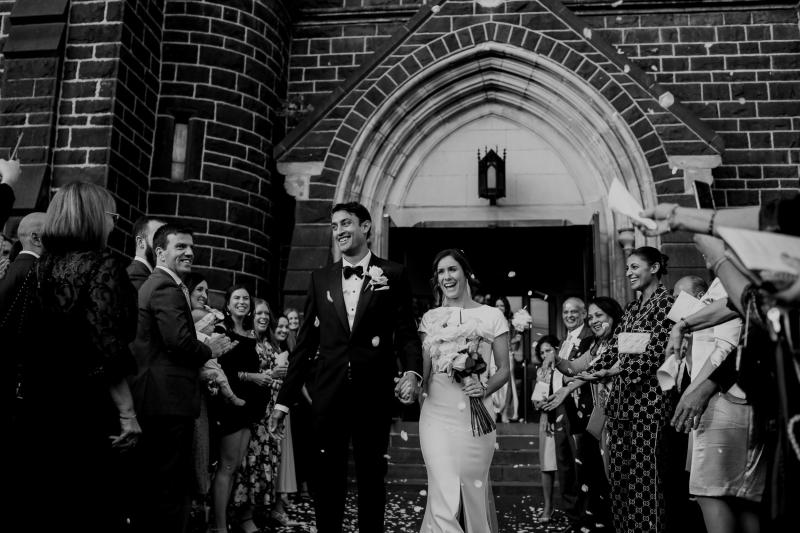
[(220, 344), (691, 406), (556, 399), (660, 214)]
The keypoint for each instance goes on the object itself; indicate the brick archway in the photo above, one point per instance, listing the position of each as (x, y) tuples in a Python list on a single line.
[(660, 136)]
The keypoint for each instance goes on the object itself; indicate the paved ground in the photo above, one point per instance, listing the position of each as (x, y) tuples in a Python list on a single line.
[(516, 514)]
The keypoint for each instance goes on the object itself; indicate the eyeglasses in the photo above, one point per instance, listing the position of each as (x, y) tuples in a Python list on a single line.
[(114, 216)]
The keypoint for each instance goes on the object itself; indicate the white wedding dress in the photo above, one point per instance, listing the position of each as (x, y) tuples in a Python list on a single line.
[(457, 462)]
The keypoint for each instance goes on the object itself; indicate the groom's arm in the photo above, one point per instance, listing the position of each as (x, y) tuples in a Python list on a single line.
[(303, 354), (406, 339)]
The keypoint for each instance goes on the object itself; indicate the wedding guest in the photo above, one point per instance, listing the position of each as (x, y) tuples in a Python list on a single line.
[(637, 409), (287, 476), (145, 259), (546, 351), (76, 363), (254, 489), (233, 422), (167, 386), (604, 316), (293, 316), (503, 399), (29, 233)]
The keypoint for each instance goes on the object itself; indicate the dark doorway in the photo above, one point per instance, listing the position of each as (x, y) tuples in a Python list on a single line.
[(510, 261)]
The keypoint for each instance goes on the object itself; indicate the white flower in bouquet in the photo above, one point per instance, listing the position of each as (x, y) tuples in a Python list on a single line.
[(521, 320)]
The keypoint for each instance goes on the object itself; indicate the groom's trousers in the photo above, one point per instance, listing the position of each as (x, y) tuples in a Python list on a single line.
[(362, 421)]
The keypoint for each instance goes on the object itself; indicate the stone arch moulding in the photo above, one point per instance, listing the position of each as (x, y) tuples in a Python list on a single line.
[(622, 117), (522, 87)]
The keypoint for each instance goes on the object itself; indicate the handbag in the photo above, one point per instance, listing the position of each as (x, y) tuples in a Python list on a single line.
[(597, 421)]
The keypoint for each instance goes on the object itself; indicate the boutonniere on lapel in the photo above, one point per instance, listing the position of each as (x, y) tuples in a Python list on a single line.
[(377, 279)]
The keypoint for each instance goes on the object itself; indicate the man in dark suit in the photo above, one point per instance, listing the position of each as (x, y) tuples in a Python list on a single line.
[(166, 386), (29, 234), (572, 416), (145, 259), (358, 314)]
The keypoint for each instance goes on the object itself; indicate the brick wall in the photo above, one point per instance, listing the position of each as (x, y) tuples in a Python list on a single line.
[(224, 67), (736, 69)]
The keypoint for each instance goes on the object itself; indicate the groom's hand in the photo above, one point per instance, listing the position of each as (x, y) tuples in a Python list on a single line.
[(275, 424), (407, 388)]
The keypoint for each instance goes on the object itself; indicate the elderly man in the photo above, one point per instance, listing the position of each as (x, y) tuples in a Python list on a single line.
[(29, 233)]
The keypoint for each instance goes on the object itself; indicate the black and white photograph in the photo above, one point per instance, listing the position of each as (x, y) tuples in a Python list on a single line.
[(400, 266)]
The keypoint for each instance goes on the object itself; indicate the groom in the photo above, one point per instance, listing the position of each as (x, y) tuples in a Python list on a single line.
[(358, 315)]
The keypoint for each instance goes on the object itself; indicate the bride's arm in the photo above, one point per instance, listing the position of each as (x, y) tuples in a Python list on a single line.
[(426, 370), (500, 354)]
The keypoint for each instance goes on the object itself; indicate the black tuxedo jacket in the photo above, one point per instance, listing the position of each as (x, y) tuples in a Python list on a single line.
[(138, 272), (364, 359), (167, 351)]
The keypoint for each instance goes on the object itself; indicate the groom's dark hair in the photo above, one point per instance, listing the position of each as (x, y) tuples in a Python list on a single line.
[(355, 209)]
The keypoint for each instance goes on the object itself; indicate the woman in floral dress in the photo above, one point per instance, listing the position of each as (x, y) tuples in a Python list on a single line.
[(254, 488)]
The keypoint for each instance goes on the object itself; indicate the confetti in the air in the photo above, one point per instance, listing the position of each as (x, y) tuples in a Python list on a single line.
[(654, 68), (584, 488), (666, 100), (674, 170), (587, 32), (404, 435), (742, 101), (626, 69), (708, 45), (436, 9), (423, 492), (616, 3), (478, 483)]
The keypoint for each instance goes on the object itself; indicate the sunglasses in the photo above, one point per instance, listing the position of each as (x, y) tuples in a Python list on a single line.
[(114, 216)]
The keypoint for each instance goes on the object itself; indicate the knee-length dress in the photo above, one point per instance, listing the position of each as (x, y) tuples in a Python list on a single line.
[(457, 462), (637, 413)]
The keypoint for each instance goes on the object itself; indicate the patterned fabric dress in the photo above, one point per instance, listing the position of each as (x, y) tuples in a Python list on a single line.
[(638, 412), (255, 480)]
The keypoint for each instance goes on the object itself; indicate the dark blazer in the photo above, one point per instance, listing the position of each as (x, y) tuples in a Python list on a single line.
[(6, 202), (138, 272), (167, 351), (384, 331), (15, 275)]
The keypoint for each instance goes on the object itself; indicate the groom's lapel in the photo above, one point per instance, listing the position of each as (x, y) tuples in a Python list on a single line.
[(366, 295), (335, 284)]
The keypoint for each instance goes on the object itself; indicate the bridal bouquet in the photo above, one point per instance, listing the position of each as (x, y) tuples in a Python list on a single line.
[(454, 350)]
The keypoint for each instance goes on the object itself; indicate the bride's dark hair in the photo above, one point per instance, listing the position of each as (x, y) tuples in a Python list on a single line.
[(461, 259)]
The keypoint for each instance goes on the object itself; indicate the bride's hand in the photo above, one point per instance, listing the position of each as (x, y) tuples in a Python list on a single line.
[(473, 387)]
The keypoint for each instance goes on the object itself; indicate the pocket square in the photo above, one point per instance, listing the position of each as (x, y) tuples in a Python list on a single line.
[(328, 295), (384, 288)]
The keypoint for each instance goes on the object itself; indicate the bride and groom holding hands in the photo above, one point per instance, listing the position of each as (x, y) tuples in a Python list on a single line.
[(358, 319)]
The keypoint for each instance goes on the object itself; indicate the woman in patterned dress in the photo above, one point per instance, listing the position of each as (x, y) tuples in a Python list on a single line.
[(637, 410), (255, 482)]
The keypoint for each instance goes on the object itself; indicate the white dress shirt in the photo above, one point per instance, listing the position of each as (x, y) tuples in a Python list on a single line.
[(572, 340), (351, 288), (29, 252)]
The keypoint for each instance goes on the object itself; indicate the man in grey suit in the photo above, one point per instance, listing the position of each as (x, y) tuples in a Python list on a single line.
[(145, 259), (166, 387)]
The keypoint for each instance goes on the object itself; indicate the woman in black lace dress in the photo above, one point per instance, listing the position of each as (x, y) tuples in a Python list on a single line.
[(78, 414)]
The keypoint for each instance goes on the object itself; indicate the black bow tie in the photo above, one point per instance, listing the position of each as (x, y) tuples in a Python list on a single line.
[(348, 271)]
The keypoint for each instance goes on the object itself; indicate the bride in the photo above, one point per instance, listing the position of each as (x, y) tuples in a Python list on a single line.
[(457, 457)]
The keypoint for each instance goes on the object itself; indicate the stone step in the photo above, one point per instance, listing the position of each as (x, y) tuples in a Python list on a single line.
[(407, 455), (510, 428), (517, 472), (505, 442), (415, 485)]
